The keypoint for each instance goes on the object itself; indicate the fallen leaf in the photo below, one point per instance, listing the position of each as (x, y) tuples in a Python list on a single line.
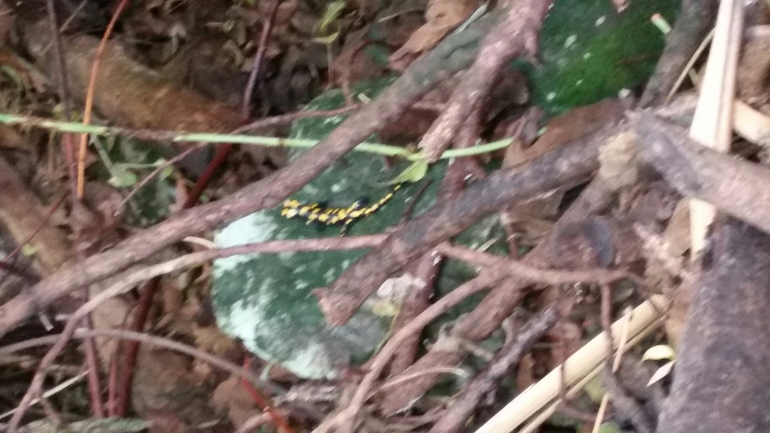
[(441, 17), (331, 13), (212, 340), (568, 127), (676, 237), (560, 130)]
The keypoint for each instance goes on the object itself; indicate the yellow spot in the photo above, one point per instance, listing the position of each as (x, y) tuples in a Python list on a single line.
[(306, 210)]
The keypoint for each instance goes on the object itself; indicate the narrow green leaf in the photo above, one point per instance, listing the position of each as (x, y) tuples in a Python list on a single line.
[(331, 13)]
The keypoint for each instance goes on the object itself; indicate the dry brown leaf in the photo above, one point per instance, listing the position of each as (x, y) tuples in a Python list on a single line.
[(164, 386), (676, 237), (567, 337), (212, 340), (172, 299), (568, 127), (11, 139), (441, 17), (22, 214), (561, 130), (202, 370), (111, 314)]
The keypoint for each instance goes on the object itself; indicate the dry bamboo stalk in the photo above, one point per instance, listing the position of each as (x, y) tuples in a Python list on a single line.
[(538, 402), (711, 125)]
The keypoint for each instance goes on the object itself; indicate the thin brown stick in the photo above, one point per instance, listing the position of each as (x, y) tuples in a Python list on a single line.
[(606, 316), (262, 402), (457, 371), (267, 27), (112, 386), (152, 340), (92, 364), (64, 96), (254, 423), (533, 273), (121, 387), (90, 97)]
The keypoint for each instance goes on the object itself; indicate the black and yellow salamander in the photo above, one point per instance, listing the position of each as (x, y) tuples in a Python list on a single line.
[(316, 213)]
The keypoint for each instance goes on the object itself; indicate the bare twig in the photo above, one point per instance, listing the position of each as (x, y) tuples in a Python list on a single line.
[(53, 391), (92, 364), (267, 27), (532, 273), (64, 96), (425, 270), (90, 96), (254, 423), (152, 340), (459, 372)]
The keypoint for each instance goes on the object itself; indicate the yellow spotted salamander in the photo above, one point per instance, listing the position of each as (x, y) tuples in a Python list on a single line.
[(316, 213)]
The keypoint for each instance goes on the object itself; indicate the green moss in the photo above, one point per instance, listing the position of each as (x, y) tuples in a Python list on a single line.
[(589, 52)]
